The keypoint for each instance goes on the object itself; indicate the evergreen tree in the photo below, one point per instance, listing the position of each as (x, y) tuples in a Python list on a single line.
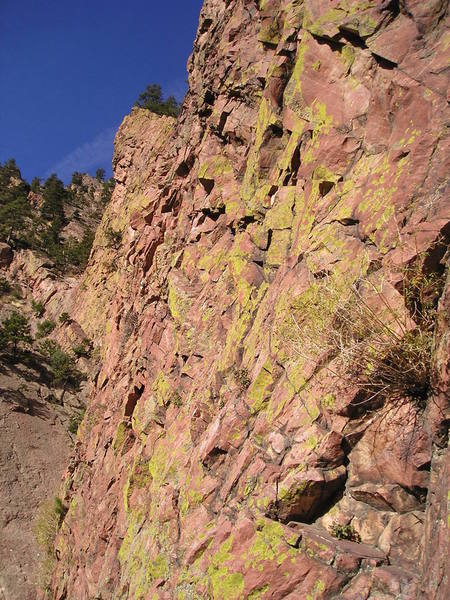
[(36, 185), (61, 364), (77, 252), (53, 205), (12, 186), (15, 331), (171, 107), (152, 99), (13, 216), (77, 178), (107, 190)]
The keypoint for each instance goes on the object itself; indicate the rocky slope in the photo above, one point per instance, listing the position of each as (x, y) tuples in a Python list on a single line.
[(37, 416), (236, 446)]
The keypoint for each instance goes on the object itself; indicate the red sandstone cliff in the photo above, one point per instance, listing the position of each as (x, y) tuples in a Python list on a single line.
[(225, 440)]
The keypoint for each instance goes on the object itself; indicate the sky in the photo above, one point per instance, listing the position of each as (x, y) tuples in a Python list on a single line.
[(71, 70)]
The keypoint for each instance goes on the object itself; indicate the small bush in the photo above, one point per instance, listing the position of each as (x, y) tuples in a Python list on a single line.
[(5, 286), (64, 318), (46, 526), (77, 178), (242, 378), (76, 253), (38, 308), (48, 520), (83, 349), (345, 532), (45, 328), (16, 292), (60, 509), (107, 190), (35, 185), (75, 422), (48, 348), (113, 238)]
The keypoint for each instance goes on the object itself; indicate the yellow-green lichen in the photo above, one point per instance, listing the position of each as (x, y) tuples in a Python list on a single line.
[(258, 393), (317, 590), (269, 544), (226, 584), (120, 437), (278, 248), (280, 215), (214, 167), (179, 303), (258, 593), (162, 389), (139, 477)]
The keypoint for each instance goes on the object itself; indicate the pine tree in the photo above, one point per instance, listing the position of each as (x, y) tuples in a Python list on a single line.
[(152, 99), (53, 205), (15, 331)]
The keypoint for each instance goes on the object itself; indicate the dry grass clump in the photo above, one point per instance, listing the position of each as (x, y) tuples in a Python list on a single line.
[(371, 334), (345, 532), (49, 518)]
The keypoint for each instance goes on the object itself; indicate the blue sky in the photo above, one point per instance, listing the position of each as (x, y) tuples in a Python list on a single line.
[(71, 70)]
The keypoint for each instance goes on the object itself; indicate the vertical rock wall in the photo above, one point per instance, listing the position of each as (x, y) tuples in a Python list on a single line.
[(221, 446)]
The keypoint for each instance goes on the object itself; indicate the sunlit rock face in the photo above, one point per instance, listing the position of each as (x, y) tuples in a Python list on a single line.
[(231, 448)]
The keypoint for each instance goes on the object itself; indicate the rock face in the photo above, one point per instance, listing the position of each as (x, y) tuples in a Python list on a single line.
[(224, 443)]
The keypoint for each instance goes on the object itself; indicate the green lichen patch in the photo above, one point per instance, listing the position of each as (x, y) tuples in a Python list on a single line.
[(242, 321), (214, 167), (191, 495), (316, 591), (179, 302), (258, 594), (255, 186), (279, 247), (139, 477), (345, 14), (280, 215), (259, 391), (269, 32), (120, 438), (282, 396), (163, 390), (269, 544), (226, 584)]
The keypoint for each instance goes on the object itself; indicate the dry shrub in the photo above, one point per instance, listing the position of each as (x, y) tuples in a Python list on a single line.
[(345, 532), (47, 523), (375, 337)]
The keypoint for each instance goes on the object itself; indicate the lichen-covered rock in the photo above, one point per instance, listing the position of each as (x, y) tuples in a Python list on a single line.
[(223, 442)]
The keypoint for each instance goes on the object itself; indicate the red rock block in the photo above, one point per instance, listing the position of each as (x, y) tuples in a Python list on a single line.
[(301, 495), (395, 446), (396, 41)]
